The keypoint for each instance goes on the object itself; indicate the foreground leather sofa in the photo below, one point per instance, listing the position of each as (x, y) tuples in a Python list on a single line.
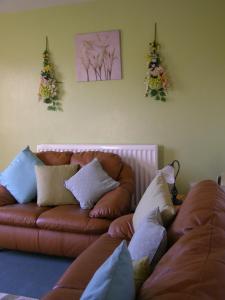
[(65, 230), (193, 268)]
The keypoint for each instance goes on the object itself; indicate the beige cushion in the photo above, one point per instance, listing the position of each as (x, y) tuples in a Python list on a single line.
[(156, 195), (50, 185)]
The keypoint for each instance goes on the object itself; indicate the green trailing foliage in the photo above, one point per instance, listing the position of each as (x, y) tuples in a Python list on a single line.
[(48, 90)]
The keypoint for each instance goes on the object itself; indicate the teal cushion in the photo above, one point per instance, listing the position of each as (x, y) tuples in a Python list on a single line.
[(114, 280), (90, 183), (19, 177)]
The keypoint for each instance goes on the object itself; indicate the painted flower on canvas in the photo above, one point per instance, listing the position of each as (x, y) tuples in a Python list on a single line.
[(98, 56)]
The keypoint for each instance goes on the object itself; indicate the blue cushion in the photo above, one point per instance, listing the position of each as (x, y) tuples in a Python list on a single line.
[(19, 177), (114, 279), (90, 183)]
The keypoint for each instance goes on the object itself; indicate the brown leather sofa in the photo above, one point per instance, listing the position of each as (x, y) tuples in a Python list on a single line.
[(65, 230), (192, 269)]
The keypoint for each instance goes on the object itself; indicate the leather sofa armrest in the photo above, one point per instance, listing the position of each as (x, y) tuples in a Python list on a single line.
[(117, 202), (202, 206), (80, 272), (122, 227), (5, 197), (112, 205)]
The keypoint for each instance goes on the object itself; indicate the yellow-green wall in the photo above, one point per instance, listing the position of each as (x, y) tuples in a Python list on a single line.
[(189, 126)]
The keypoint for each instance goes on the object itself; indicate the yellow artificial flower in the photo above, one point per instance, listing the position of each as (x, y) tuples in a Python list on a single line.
[(44, 91), (47, 68), (155, 83)]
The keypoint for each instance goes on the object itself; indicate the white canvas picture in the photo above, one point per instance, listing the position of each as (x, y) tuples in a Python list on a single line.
[(98, 56)]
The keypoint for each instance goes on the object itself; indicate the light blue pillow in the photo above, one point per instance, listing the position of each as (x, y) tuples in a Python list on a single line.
[(114, 280), (90, 183), (150, 239), (19, 177)]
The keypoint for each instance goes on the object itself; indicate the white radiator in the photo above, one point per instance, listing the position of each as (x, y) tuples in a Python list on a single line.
[(142, 158)]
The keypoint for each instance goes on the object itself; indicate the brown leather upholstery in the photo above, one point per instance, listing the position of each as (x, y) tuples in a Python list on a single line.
[(117, 202), (5, 197), (55, 158), (64, 243), (112, 205), (24, 215), (75, 279), (44, 241), (71, 218), (64, 230), (19, 238), (203, 205), (192, 269), (110, 162), (122, 227), (63, 294), (83, 268), (126, 178)]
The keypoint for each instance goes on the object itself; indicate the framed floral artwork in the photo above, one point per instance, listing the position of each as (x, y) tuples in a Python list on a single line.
[(98, 56)]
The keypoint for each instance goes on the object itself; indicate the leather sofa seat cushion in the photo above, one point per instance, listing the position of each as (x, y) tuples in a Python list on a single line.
[(24, 215), (55, 158), (204, 204), (71, 218), (110, 162), (193, 268)]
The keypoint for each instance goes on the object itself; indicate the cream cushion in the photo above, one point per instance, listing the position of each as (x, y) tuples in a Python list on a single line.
[(156, 195), (222, 181), (50, 185)]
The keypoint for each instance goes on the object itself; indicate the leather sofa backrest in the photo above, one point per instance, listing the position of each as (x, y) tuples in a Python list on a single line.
[(55, 158), (110, 162), (204, 204), (193, 268), (113, 204)]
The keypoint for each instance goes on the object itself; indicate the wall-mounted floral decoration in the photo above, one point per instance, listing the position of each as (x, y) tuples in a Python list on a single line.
[(48, 90), (156, 80)]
